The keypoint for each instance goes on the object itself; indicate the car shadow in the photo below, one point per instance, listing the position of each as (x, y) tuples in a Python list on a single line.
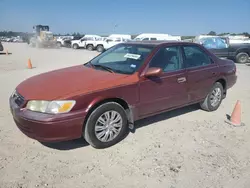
[(164, 116), (79, 143), (4, 53), (66, 145)]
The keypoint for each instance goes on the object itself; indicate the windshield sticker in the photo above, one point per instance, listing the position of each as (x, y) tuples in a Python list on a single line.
[(132, 66), (132, 56)]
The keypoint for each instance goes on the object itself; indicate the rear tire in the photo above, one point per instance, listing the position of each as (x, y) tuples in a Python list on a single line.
[(242, 58), (100, 48), (91, 133), (214, 98), (90, 47)]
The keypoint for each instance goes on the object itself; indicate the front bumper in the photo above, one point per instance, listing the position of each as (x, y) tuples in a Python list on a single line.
[(48, 127)]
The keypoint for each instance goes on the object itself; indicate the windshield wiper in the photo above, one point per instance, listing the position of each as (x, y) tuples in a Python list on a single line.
[(103, 67)]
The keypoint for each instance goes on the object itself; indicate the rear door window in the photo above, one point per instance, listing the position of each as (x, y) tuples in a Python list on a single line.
[(195, 57)]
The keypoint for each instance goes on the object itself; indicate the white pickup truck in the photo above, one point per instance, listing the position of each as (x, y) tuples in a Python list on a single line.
[(60, 40), (84, 42), (101, 45)]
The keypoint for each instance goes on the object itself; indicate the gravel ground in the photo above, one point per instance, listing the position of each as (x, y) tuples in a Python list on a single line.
[(182, 148)]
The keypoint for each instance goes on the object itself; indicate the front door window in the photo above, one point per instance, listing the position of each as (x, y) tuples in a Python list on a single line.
[(168, 59)]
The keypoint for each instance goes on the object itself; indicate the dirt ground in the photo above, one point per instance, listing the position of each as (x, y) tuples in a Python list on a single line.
[(186, 148)]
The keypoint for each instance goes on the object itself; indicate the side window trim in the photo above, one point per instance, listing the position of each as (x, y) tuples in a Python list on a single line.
[(184, 57)]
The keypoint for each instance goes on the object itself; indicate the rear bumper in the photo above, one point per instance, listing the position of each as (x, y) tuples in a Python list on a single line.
[(47, 127)]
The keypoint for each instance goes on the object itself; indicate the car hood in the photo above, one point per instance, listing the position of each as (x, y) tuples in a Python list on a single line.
[(67, 82)]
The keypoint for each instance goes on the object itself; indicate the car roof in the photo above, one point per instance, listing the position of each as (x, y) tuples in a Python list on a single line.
[(158, 42)]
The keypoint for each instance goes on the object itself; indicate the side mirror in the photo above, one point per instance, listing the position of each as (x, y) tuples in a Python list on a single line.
[(153, 71)]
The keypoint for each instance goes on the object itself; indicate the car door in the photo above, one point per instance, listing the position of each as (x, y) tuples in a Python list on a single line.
[(82, 42), (202, 72), (168, 90)]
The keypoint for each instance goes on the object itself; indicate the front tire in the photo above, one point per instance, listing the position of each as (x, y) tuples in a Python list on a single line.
[(106, 126), (214, 98), (75, 46), (242, 58)]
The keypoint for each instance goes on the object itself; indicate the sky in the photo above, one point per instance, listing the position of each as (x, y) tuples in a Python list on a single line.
[(175, 17)]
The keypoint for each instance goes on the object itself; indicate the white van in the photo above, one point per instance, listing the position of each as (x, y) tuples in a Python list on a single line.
[(128, 37), (156, 36)]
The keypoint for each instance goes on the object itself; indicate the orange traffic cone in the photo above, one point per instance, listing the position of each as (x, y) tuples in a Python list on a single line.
[(235, 118), (29, 64)]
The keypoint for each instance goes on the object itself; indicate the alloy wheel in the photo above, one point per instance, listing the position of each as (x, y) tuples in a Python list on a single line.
[(108, 126), (215, 97)]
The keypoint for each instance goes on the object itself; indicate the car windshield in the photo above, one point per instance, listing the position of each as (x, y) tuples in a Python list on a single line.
[(122, 58)]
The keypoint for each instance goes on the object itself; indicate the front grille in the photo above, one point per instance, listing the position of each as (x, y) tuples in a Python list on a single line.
[(18, 99)]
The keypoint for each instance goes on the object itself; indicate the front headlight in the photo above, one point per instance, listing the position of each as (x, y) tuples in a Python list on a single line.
[(51, 107)]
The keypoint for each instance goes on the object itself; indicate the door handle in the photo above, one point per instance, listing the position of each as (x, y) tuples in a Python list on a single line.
[(181, 80)]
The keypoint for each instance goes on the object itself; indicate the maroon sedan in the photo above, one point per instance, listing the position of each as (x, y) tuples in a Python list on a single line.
[(102, 98)]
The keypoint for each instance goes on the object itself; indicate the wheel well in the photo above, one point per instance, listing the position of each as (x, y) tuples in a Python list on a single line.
[(99, 45), (90, 45), (243, 50), (224, 85), (123, 103)]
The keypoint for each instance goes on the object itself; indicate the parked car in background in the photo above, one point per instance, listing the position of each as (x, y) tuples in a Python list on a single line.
[(67, 42), (60, 40), (91, 43), (81, 43), (124, 36), (221, 47), (108, 43), (1, 46), (103, 43), (156, 36), (102, 99)]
